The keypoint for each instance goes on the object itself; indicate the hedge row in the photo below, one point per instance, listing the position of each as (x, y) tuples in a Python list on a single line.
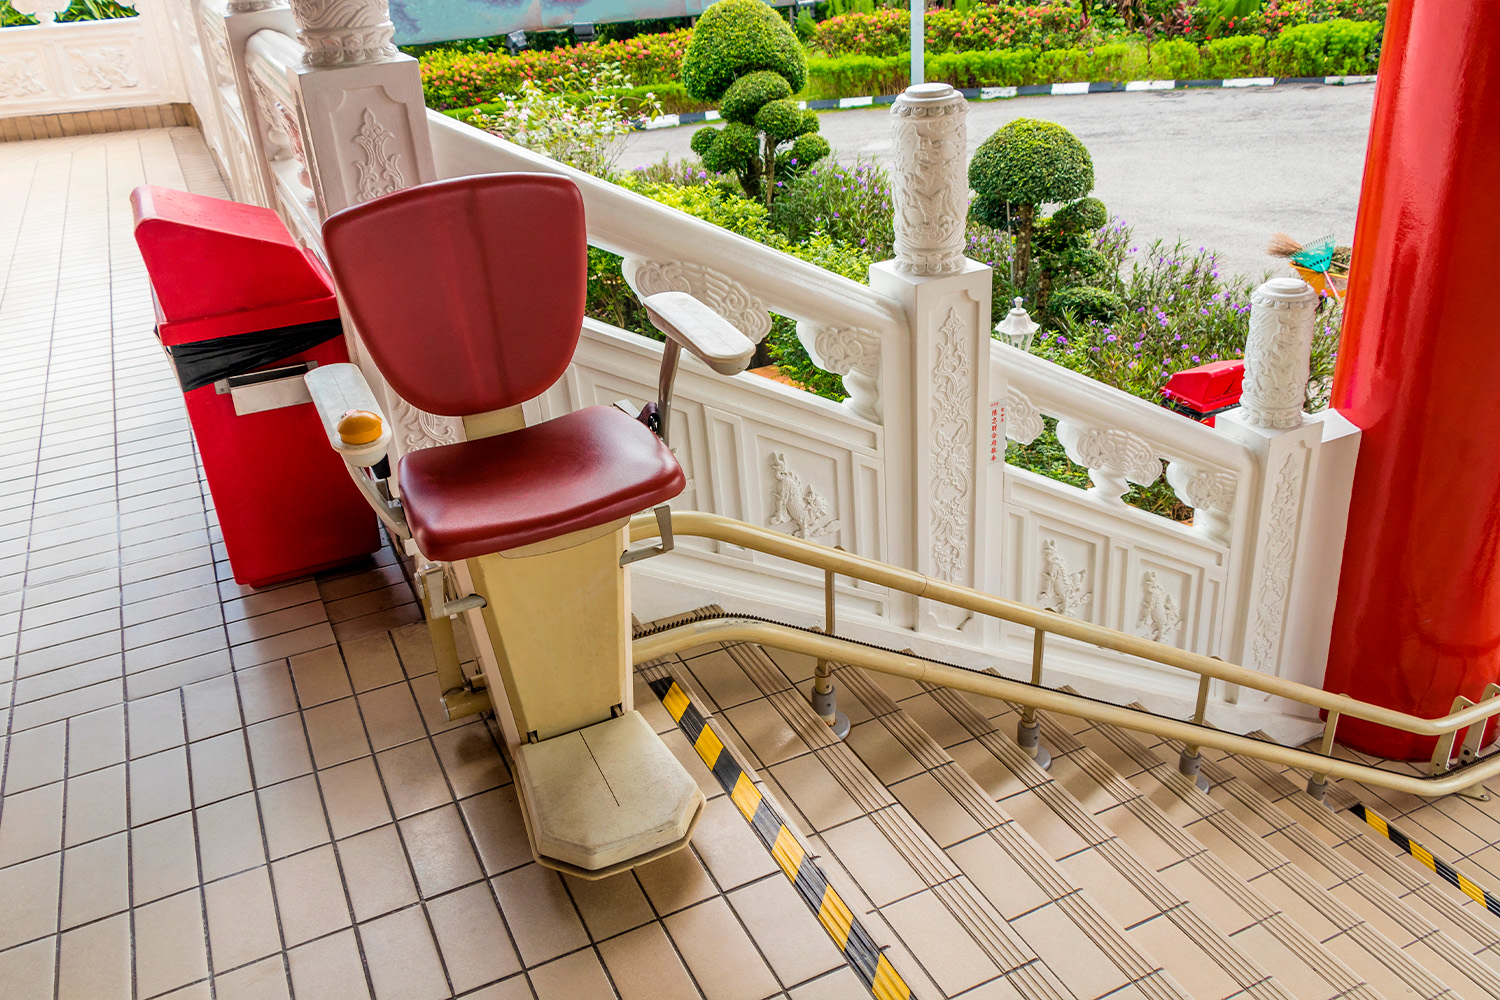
[(1326, 48), (888, 32)]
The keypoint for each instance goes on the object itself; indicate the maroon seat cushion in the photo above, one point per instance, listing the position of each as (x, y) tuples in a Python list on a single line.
[(574, 472)]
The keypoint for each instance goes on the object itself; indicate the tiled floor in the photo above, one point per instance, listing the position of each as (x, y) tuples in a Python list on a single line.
[(212, 791)]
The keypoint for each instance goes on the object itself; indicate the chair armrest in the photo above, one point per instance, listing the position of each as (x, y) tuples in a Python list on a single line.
[(691, 324), (351, 416)]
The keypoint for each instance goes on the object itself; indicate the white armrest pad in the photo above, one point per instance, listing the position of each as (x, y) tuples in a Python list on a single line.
[(337, 389), (701, 330)]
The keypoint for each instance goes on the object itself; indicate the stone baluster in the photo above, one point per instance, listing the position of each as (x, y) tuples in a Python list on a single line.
[(1277, 352), (1115, 458), (945, 372)]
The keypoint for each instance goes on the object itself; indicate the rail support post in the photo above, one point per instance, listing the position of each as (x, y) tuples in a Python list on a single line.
[(1029, 731), (824, 697)]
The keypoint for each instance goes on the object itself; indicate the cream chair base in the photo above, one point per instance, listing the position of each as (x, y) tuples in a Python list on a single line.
[(599, 790), (606, 798)]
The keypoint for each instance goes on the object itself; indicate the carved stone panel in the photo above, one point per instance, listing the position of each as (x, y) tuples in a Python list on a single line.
[(1160, 619), (1063, 590), (806, 512), (1023, 421), (1275, 555), (21, 76), (379, 170), (952, 449), (930, 189)]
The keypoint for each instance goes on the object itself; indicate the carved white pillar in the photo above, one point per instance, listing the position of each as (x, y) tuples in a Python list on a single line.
[(1277, 352), (930, 189), (946, 298), (342, 32)]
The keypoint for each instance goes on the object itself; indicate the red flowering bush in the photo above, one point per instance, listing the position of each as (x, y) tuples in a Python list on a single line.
[(463, 79)]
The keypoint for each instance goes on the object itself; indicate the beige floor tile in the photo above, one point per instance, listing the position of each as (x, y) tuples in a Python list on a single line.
[(354, 797), (376, 872), (320, 676), (1207, 898), (278, 750), (29, 970), (577, 977), (935, 720), (675, 881), (815, 792), (163, 860), (472, 937), (841, 984), (328, 969), (494, 819), (336, 733), (391, 716), (441, 854), (158, 785), (932, 806), (882, 753), (1314, 917), (413, 778), (229, 838), (94, 961), (31, 824), (402, 958), (220, 767), (514, 988), (242, 925), (723, 679), (879, 868), (950, 955), (372, 661), (677, 742), (212, 707), (610, 906), (540, 914), (1151, 849), (471, 759), (96, 740), (96, 880), (30, 890), (293, 816), (787, 933), (1056, 838), (169, 949), (36, 758), (728, 847), (1068, 952), (761, 730), (644, 966), (1113, 892), (266, 692), (719, 954), (1199, 973), (264, 980), (309, 895), (96, 804)]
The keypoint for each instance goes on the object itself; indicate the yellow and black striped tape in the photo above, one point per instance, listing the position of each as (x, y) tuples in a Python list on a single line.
[(851, 938), (1449, 874)]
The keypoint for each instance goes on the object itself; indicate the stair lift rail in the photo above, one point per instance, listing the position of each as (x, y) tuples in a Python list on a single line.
[(1442, 780)]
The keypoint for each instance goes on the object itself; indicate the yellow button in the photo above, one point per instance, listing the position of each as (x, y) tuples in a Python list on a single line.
[(359, 427)]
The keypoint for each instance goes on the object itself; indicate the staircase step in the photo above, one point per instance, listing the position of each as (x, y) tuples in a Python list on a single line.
[(1465, 921), (1146, 843), (1320, 889), (905, 852)]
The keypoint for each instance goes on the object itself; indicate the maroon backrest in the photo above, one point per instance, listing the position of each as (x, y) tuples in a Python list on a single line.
[(469, 293)]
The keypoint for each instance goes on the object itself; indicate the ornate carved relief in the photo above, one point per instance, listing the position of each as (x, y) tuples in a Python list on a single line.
[(417, 429), (104, 68), (19, 78), (1210, 494), (250, 6), (1276, 566), (851, 353), (1023, 421), (930, 189), (714, 289), (218, 51), (380, 173), (951, 447), (1277, 352), (794, 502), (283, 132), (337, 32), (1159, 615), (1062, 591), (1115, 458)]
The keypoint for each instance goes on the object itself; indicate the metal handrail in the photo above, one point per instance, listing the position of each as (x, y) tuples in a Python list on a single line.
[(1193, 734)]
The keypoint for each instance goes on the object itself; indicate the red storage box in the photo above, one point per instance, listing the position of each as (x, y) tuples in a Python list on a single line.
[(1205, 391), (244, 312)]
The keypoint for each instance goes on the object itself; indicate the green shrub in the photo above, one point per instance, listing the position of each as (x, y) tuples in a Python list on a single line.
[(1234, 56), (1173, 59), (982, 27), (850, 203), (1083, 215), (735, 37), (782, 343), (743, 53), (1020, 167), (78, 10), (1325, 48), (1086, 302)]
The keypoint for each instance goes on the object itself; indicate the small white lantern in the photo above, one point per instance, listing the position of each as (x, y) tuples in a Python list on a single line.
[(1018, 328)]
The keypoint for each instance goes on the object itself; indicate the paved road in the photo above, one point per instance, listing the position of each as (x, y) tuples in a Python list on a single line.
[(1218, 168)]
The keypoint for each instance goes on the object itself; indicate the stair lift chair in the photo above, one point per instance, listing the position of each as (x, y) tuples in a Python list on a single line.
[(468, 295)]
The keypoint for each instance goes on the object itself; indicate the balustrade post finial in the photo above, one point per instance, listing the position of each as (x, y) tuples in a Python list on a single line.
[(931, 188), (344, 32), (251, 6), (1278, 352)]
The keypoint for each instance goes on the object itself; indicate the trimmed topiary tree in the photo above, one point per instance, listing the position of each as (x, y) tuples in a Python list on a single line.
[(1021, 167), (743, 55)]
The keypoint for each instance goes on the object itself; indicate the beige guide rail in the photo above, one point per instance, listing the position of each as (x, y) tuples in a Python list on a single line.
[(1443, 780)]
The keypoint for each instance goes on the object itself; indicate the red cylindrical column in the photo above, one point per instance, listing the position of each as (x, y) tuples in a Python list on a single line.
[(1418, 618)]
